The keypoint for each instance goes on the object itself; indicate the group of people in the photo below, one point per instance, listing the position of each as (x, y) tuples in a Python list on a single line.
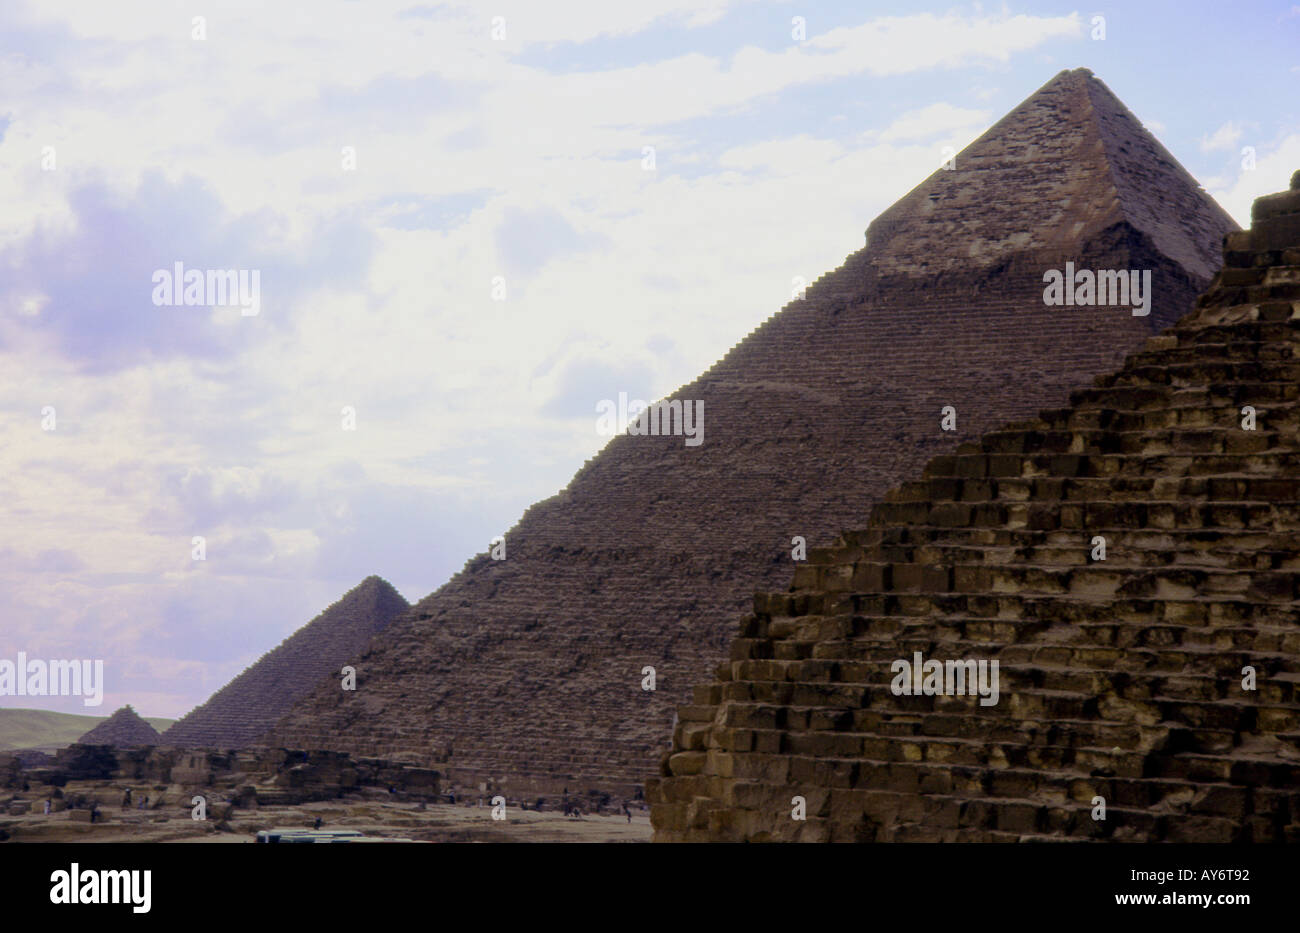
[(93, 805)]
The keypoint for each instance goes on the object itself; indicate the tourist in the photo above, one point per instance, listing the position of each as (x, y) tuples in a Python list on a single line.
[(47, 806)]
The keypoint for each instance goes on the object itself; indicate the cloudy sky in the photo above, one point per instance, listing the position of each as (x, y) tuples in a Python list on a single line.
[(384, 166)]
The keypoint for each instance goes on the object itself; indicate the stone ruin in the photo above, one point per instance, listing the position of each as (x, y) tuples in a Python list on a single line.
[(123, 729), (1149, 689), (240, 712), (244, 779), (530, 669)]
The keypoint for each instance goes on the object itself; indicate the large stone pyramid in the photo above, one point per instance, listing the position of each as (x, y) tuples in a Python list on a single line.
[(1159, 678), (530, 669), (124, 729), (241, 711)]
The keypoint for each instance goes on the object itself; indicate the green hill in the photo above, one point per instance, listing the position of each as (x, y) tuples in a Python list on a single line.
[(43, 729)]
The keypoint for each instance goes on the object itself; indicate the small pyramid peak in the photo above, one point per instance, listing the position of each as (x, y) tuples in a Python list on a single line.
[(1072, 73), (377, 585), (123, 729)]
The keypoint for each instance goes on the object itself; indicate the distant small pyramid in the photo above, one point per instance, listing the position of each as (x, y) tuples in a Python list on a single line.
[(124, 729), (237, 714)]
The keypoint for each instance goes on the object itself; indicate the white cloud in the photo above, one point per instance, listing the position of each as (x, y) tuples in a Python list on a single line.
[(1272, 173), (1225, 137), (783, 156), (526, 22), (934, 120)]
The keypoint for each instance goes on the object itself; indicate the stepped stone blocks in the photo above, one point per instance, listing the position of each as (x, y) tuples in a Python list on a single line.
[(240, 712), (124, 729), (529, 670), (1123, 678)]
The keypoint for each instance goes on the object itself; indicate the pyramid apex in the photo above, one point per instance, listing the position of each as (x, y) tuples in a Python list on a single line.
[(1068, 164), (1065, 76), (124, 728), (373, 583)]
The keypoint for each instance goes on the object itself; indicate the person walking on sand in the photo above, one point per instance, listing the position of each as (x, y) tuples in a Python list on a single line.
[(47, 806)]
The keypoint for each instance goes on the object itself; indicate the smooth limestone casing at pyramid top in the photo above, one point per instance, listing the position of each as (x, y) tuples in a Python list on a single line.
[(529, 669), (1124, 677), (241, 711)]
